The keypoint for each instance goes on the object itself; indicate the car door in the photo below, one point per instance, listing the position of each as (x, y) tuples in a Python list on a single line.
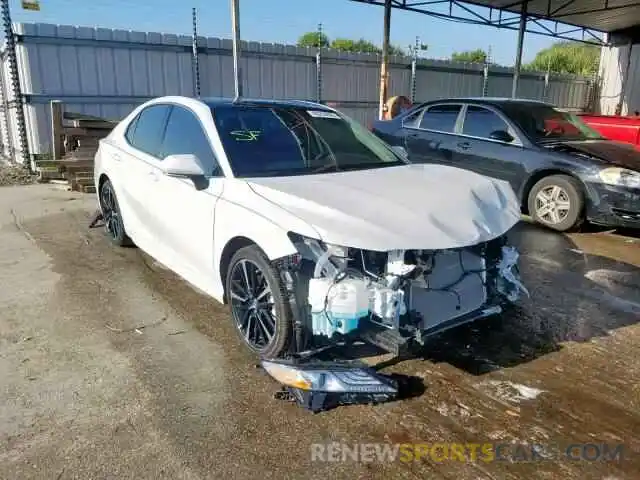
[(480, 149), (429, 133), (135, 180), (186, 206)]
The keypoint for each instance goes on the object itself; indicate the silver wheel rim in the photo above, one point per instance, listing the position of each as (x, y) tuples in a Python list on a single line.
[(252, 305), (552, 204)]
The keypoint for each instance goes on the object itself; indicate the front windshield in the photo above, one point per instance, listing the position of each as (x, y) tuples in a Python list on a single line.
[(544, 123), (270, 141)]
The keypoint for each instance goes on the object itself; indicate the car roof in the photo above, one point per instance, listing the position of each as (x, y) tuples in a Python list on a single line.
[(231, 102), (495, 101)]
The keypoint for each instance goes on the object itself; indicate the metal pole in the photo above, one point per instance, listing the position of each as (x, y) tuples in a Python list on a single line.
[(485, 73), (196, 60), (7, 150), (518, 65), (14, 84), (319, 66), (384, 80), (547, 78), (623, 86), (414, 70), (237, 73)]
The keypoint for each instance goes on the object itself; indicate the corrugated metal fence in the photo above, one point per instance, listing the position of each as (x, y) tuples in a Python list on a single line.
[(107, 72)]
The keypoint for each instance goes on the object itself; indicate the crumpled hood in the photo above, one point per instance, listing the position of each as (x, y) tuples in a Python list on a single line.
[(607, 151), (407, 207)]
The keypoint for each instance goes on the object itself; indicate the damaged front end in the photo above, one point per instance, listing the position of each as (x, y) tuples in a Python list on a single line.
[(398, 298), (393, 300)]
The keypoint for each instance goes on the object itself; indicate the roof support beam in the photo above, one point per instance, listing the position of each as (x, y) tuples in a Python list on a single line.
[(518, 65), (384, 77), (237, 74)]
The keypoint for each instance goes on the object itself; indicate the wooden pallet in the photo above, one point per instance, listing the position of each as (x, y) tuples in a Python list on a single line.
[(75, 140)]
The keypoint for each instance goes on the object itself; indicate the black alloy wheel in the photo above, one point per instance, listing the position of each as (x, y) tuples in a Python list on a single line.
[(259, 304), (113, 224)]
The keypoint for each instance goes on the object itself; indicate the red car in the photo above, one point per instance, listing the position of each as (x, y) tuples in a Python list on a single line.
[(622, 129)]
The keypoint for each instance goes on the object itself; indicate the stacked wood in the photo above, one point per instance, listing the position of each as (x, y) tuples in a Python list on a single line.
[(75, 139)]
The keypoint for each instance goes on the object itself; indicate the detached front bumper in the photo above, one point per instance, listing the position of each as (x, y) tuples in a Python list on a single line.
[(613, 206)]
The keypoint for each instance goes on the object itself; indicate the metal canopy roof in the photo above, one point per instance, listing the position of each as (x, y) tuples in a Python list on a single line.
[(602, 15), (581, 20)]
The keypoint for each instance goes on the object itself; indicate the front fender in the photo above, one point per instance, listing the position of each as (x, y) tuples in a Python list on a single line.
[(234, 221)]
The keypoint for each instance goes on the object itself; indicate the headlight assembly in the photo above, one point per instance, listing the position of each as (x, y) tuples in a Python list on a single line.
[(620, 176), (305, 245), (330, 378)]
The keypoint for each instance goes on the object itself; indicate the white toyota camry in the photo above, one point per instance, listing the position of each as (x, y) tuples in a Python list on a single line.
[(311, 228)]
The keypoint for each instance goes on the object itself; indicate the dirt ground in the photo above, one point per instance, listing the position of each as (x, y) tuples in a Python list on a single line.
[(113, 368)]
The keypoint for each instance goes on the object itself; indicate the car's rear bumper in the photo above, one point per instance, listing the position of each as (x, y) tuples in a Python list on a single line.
[(613, 206)]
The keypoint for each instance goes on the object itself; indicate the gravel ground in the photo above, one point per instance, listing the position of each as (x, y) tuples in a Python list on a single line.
[(15, 175)]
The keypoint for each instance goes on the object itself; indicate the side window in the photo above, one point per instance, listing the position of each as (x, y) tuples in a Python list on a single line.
[(184, 134), (441, 118), (412, 119), (480, 122), (147, 135), (131, 130)]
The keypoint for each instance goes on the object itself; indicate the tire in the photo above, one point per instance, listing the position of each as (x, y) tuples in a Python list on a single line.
[(263, 321), (113, 223), (557, 202)]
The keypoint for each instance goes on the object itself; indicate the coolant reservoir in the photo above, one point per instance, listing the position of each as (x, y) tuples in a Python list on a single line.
[(337, 306)]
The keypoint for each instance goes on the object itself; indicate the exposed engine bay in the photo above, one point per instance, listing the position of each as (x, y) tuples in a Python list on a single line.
[(392, 299)]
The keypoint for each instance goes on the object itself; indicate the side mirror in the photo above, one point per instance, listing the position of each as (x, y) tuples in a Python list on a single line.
[(400, 150), (501, 136), (182, 165)]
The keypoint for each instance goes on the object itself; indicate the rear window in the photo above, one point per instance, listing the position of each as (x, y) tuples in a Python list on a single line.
[(281, 141)]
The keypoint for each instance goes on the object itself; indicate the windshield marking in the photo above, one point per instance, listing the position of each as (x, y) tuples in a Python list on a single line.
[(245, 135)]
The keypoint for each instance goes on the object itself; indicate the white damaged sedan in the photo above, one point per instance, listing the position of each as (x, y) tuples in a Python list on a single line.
[(312, 229)]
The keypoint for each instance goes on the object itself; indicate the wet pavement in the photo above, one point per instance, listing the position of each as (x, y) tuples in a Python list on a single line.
[(111, 367)]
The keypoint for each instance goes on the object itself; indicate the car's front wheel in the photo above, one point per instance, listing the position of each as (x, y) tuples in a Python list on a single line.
[(557, 202), (259, 304), (113, 223)]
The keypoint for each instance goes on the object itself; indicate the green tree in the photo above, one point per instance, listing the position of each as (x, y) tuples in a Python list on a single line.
[(470, 56), (567, 57), (363, 46), (312, 39), (360, 46), (396, 50)]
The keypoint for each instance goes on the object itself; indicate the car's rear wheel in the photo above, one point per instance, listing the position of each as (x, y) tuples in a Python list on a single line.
[(259, 303), (113, 223), (557, 202)]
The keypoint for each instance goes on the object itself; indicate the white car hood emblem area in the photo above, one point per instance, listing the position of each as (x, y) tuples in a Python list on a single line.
[(406, 207)]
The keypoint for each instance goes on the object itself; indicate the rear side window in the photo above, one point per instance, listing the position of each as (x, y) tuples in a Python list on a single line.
[(412, 119), (184, 134), (480, 122), (149, 127), (441, 118)]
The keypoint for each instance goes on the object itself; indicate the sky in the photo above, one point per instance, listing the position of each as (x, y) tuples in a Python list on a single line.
[(283, 21)]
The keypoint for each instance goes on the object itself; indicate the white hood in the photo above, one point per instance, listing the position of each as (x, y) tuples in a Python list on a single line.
[(406, 207)]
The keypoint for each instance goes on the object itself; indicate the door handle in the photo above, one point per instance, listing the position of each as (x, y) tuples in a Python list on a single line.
[(464, 145), (116, 157), (153, 176)]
